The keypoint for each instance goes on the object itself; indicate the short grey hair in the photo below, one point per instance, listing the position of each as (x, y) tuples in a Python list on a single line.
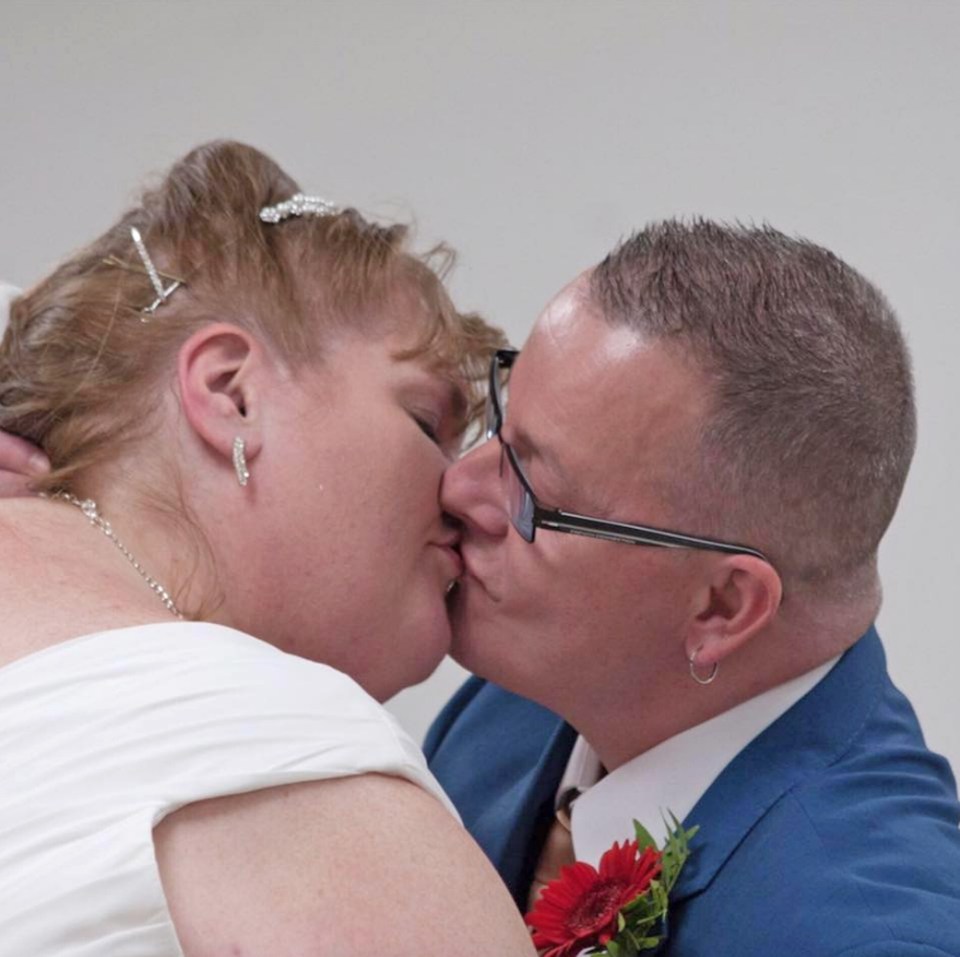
[(812, 425)]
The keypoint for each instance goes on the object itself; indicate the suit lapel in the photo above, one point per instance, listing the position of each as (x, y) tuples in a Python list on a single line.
[(807, 738), (501, 761)]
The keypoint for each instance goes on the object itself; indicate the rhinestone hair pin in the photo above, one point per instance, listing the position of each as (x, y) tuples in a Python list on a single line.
[(298, 205), (153, 274), (163, 294)]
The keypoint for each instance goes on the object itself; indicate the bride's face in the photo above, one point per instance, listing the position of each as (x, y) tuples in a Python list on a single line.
[(356, 556)]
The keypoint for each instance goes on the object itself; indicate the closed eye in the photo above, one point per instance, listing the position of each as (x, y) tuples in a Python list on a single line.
[(429, 428)]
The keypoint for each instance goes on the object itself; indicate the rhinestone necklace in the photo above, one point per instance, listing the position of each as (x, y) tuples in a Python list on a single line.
[(89, 508)]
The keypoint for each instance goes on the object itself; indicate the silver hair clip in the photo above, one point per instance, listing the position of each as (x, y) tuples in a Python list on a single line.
[(298, 205), (162, 294)]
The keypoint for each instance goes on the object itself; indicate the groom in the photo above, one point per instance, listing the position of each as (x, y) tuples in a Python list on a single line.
[(744, 399)]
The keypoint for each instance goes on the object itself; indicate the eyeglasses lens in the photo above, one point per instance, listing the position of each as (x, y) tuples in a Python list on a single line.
[(519, 499), (491, 423)]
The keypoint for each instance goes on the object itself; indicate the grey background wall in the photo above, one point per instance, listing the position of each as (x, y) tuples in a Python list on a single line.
[(533, 134)]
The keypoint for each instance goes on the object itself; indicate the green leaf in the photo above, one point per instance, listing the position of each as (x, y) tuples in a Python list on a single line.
[(644, 838), (631, 906), (676, 849), (660, 897), (630, 947), (640, 919), (640, 903)]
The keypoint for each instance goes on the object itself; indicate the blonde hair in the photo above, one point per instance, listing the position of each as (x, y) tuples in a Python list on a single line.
[(81, 372)]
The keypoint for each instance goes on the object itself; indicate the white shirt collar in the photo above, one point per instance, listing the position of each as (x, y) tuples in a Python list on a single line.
[(673, 776)]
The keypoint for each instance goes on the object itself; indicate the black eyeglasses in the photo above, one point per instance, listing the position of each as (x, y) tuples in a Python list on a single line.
[(527, 514)]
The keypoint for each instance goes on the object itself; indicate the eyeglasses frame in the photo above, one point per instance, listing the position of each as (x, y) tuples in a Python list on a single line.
[(572, 523)]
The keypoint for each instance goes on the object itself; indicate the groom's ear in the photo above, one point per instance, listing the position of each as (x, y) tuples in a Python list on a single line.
[(220, 378), (739, 600)]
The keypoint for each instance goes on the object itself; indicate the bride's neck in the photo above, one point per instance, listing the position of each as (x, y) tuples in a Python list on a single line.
[(61, 578), (156, 521)]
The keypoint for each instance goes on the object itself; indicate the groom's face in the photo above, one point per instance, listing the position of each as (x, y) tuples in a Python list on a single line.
[(602, 423)]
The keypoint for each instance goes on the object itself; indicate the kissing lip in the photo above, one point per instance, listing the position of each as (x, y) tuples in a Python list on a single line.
[(453, 555), (469, 574)]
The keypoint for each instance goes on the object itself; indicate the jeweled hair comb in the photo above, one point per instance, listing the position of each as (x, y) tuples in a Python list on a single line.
[(298, 205)]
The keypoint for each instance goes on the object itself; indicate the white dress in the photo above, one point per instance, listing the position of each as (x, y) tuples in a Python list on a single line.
[(102, 736)]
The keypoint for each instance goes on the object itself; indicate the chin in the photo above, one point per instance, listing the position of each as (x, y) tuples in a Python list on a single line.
[(496, 651), (476, 643), (419, 648), (464, 627)]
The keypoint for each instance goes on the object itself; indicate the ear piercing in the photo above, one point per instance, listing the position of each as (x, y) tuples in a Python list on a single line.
[(240, 461), (701, 679)]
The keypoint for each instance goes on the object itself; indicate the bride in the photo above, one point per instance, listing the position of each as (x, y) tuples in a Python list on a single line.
[(247, 398)]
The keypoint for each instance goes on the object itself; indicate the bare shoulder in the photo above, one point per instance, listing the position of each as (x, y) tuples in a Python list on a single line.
[(365, 864)]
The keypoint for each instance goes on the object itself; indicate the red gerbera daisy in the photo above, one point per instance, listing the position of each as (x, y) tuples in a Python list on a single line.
[(579, 909)]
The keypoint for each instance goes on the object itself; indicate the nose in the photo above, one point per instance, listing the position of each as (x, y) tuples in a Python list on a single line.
[(472, 492)]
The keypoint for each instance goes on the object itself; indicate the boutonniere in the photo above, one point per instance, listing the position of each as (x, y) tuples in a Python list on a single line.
[(618, 909)]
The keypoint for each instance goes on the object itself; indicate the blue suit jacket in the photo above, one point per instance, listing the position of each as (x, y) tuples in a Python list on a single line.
[(834, 832)]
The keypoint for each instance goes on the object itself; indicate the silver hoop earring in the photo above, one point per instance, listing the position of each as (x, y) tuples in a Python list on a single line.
[(240, 461), (700, 680)]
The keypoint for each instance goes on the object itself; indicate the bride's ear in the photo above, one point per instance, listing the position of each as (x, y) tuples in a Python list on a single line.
[(218, 374)]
